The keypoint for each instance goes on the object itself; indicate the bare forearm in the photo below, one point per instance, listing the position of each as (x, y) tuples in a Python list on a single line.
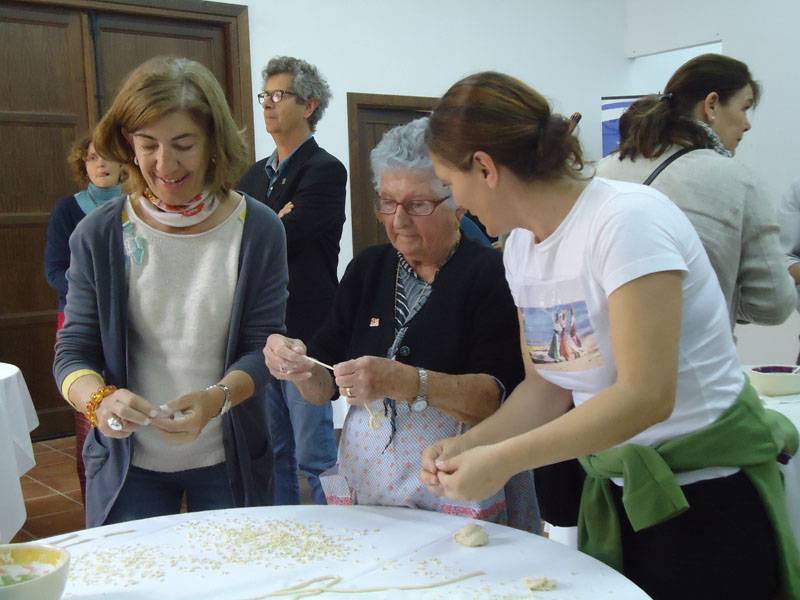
[(240, 386), (609, 418), (81, 389), (533, 403), (468, 398)]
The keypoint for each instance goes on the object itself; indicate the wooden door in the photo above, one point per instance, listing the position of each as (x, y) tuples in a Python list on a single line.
[(369, 116), (43, 108), (125, 41), (60, 66)]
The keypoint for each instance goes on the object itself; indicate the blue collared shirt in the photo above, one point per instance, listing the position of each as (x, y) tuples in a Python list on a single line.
[(274, 169)]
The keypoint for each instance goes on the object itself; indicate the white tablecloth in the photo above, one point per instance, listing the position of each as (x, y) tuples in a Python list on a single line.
[(790, 407), (17, 420), (247, 553)]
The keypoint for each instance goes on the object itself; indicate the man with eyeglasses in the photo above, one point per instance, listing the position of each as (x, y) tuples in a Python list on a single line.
[(305, 185)]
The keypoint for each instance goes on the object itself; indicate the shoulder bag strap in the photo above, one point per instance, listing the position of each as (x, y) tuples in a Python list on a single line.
[(666, 163)]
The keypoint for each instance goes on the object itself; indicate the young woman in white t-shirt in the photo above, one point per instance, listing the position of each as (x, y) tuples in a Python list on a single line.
[(657, 359)]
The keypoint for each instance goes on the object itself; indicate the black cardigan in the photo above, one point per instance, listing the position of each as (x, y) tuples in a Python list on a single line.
[(467, 325)]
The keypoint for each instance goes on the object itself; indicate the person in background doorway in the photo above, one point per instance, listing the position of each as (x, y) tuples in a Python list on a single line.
[(305, 186), (100, 179)]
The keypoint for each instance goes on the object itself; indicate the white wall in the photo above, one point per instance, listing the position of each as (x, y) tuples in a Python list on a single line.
[(764, 35), (649, 74), (571, 51)]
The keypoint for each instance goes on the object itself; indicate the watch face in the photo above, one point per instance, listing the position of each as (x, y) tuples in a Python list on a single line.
[(419, 405)]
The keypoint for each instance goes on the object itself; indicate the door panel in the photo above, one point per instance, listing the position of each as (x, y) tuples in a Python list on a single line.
[(126, 41), (43, 106), (369, 117), (47, 99)]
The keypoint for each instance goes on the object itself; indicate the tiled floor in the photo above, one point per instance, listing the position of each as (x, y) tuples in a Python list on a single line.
[(52, 492)]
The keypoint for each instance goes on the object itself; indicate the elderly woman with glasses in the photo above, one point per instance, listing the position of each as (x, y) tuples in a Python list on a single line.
[(419, 336)]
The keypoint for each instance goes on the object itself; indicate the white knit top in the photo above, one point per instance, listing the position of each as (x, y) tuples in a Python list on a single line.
[(180, 295)]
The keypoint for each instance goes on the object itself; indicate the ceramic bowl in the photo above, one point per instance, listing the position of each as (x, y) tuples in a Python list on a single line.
[(775, 380), (49, 564)]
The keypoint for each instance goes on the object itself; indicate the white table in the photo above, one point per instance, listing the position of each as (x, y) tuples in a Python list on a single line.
[(244, 554), (790, 407), (17, 420)]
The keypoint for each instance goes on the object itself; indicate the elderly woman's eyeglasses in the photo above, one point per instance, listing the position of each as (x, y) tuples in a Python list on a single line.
[(275, 95), (415, 208)]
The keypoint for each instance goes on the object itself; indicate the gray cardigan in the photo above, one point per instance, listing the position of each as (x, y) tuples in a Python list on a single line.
[(95, 337), (736, 222)]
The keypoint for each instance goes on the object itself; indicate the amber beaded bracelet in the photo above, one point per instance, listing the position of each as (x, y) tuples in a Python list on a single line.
[(94, 401)]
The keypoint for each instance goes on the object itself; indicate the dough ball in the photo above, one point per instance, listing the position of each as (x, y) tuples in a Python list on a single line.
[(540, 584), (472, 535)]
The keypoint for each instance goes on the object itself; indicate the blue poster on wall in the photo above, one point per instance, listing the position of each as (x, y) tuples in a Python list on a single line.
[(612, 109)]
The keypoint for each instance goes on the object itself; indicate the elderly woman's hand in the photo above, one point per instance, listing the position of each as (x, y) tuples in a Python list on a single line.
[(441, 450), (369, 378), (134, 412), (184, 418), (286, 358)]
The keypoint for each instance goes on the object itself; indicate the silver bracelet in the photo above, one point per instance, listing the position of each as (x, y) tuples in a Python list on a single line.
[(226, 404)]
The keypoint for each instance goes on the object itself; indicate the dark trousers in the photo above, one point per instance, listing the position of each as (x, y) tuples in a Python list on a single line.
[(723, 547)]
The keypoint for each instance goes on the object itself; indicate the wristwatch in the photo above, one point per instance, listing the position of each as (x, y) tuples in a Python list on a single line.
[(420, 403), (226, 403)]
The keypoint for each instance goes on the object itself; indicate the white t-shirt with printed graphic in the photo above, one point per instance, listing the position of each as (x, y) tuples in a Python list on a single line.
[(615, 233)]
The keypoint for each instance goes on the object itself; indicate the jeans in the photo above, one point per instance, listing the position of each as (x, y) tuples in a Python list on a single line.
[(302, 434), (153, 494)]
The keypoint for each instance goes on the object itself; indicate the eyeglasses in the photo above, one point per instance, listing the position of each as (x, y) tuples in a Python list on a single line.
[(275, 95), (415, 208)]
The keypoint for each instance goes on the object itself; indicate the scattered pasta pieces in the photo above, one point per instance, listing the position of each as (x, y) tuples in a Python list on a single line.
[(304, 589)]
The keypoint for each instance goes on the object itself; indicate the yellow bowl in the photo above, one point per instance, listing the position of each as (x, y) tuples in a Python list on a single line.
[(775, 380), (47, 586)]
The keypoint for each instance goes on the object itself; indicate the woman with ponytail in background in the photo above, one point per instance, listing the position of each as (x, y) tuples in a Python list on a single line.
[(693, 129), (100, 179), (682, 492)]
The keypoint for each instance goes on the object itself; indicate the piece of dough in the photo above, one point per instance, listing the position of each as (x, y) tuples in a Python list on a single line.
[(472, 535), (540, 584)]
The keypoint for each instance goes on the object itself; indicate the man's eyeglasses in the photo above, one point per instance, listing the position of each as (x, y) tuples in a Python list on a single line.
[(415, 208), (275, 95)]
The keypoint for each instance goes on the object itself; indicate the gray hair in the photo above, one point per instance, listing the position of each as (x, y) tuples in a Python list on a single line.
[(403, 149), (308, 83)]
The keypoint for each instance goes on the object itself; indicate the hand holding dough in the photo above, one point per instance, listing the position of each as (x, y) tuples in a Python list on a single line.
[(472, 535)]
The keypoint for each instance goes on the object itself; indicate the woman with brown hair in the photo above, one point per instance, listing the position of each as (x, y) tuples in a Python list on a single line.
[(683, 493), (173, 290), (693, 129), (100, 179)]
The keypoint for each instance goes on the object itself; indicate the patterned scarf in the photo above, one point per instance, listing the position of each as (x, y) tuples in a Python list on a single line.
[(713, 139), (200, 208)]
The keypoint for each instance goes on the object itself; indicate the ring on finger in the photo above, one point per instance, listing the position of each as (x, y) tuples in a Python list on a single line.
[(348, 391), (114, 423)]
